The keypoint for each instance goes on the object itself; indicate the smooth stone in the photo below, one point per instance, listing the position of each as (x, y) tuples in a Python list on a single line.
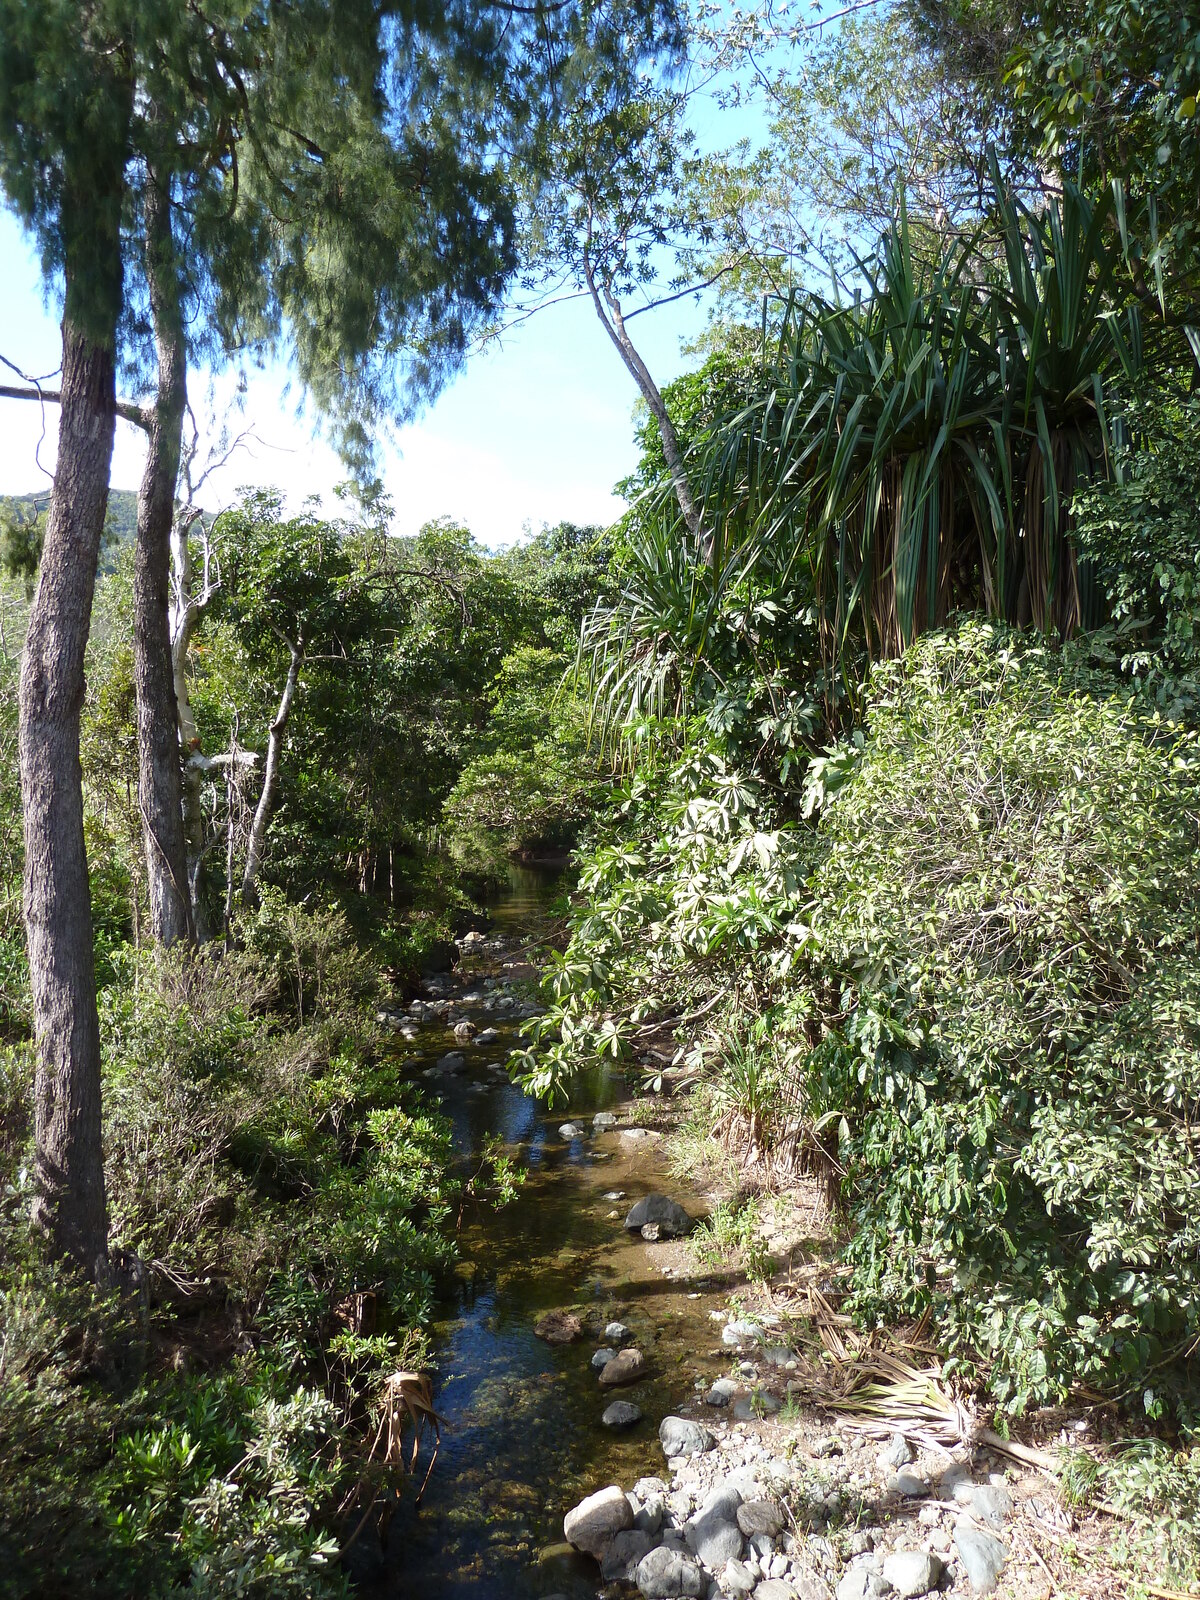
[(679, 1436), (559, 1327), (617, 1333), (982, 1555), (713, 1532), (649, 1516), (989, 1501), (570, 1130), (602, 1357), (592, 1525), (774, 1589), (669, 1216), (651, 1232), (721, 1393), (486, 1035), (666, 1574), (760, 1516), (603, 1120), (909, 1485), (860, 1583), (625, 1367), (810, 1587), (623, 1556), (913, 1572), (621, 1414), (636, 1136)]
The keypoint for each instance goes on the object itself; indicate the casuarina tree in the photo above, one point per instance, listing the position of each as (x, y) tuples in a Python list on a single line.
[(320, 180)]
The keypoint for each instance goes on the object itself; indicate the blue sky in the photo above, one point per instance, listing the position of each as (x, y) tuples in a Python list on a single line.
[(532, 432)]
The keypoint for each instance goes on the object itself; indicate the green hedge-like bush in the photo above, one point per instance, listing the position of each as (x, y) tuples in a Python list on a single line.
[(1010, 890)]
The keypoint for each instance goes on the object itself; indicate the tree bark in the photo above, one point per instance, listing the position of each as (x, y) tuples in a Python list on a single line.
[(614, 325), (266, 800), (160, 793), (69, 1204)]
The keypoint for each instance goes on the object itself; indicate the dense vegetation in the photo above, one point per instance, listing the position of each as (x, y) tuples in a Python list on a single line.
[(876, 714)]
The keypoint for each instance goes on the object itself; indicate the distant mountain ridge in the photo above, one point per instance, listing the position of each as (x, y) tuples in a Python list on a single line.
[(120, 526)]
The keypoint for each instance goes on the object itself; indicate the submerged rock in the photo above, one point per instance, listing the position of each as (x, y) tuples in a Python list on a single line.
[(621, 1414), (594, 1523), (603, 1120), (452, 1061), (570, 1130), (672, 1220), (559, 1327)]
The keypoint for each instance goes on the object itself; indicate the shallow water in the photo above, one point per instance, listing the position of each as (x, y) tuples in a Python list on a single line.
[(523, 1440)]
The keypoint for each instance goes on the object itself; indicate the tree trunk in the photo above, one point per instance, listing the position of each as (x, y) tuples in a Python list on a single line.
[(266, 800), (614, 325), (69, 1203), (160, 796)]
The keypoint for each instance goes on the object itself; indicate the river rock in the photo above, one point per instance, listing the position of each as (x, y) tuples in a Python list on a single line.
[(617, 1333), (713, 1532), (626, 1367), (651, 1232), (680, 1436), (982, 1555), (908, 1484), (759, 1404), (673, 1221), (898, 1454), (721, 1393), (737, 1580), (603, 1120), (913, 1572), (991, 1502), (570, 1130), (668, 1574), (623, 1556), (760, 1516), (860, 1583), (464, 1032), (592, 1525), (774, 1589), (602, 1357), (639, 1136), (649, 1515), (621, 1414), (486, 1035), (452, 1061), (559, 1327)]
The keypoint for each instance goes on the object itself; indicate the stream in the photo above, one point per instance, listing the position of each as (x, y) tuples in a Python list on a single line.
[(522, 1439)]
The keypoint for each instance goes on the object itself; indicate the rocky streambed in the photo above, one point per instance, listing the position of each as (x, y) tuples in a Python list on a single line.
[(614, 1424)]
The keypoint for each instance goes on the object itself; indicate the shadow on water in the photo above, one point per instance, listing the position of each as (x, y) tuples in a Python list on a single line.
[(523, 1440)]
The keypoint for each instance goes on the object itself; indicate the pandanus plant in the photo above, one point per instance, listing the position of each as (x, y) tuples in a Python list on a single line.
[(920, 443)]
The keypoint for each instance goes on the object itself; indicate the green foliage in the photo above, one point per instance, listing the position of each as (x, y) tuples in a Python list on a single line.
[(1008, 891)]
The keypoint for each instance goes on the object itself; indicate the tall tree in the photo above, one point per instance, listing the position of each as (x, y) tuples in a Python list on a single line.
[(335, 169)]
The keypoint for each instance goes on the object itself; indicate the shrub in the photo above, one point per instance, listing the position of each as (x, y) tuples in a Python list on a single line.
[(1010, 889)]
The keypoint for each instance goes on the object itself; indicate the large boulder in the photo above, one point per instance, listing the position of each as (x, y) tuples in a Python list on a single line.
[(668, 1216), (680, 1436), (594, 1523), (668, 1574)]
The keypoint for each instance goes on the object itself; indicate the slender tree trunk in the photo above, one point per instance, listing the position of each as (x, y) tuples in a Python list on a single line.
[(266, 800), (160, 797), (608, 309), (69, 1205)]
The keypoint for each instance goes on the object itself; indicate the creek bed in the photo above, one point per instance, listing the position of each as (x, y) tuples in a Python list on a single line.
[(523, 1439)]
